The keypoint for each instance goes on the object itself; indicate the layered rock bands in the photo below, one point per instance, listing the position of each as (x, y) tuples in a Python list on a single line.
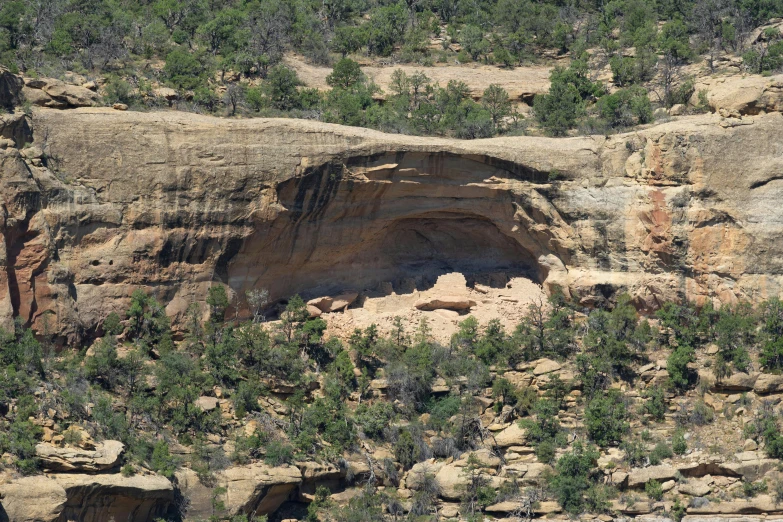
[(101, 202)]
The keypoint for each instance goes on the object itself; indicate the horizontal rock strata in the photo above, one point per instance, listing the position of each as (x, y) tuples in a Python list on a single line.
[(105, 202)]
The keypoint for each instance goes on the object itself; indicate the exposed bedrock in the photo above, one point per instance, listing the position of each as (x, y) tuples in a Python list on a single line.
[(104, 202)]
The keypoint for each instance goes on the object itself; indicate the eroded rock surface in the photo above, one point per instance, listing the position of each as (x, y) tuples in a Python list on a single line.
[(108, 201), (93, 498), (88, 498), (255, 489), (105, 456)]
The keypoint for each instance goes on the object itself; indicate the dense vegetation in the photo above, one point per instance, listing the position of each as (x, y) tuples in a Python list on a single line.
[(139, 386), (227, 57)]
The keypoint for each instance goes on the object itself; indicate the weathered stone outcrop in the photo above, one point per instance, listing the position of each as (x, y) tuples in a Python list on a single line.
[(641, 476), (94, 498), (105, 202), (256, 489), (56, 94), (32, 499), (333, 304), (744, 95), (105, 456), (86, 498)]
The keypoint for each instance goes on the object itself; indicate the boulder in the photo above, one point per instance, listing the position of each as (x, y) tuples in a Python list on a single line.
[(452, 479), (32, 499), (333, 304), (450, 510), (120, 107), (514, 435), (743, 95), (638, 477), (678, 110), (620, 479), (205, 403), (247, 488), (49, 92), (695, 488), (520, 379), (314, 311), (485, 458), (535, 471), (737, 382), (445, 302), (415, 476), (166, 92), (768, 383), (729, 518), (546, 366), (105, 456)]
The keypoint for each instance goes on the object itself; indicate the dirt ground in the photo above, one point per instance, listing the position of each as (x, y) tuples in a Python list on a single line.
[(520, 82)]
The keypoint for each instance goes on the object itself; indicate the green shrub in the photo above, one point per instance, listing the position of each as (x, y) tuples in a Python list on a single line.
[(623, 70), (20, 441), (441, 410), (606, 418), (281, 88), (183, 70), (559, 109), (544, 433), (72, 437), (103, 366), (162, 460), (654, 490), (245, 398), (278, 453), (677, 366), (701, 414), (771, 335), (655, 405), (659, 453), (752, 489), (112, 324), (406, 452), (576, 472), (734, 331), (374, 419), (679, 445), (626, 107), (118, 91), (635, 452), (678, 510)]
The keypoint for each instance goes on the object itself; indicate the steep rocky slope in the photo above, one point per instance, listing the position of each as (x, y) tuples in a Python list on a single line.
[(102, 202)]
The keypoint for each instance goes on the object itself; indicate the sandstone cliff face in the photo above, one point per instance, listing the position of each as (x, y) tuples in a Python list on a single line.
[(104, 202), (91, 498)]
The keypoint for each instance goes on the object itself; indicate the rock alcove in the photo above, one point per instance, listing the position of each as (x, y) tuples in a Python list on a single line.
[(399, 217)]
